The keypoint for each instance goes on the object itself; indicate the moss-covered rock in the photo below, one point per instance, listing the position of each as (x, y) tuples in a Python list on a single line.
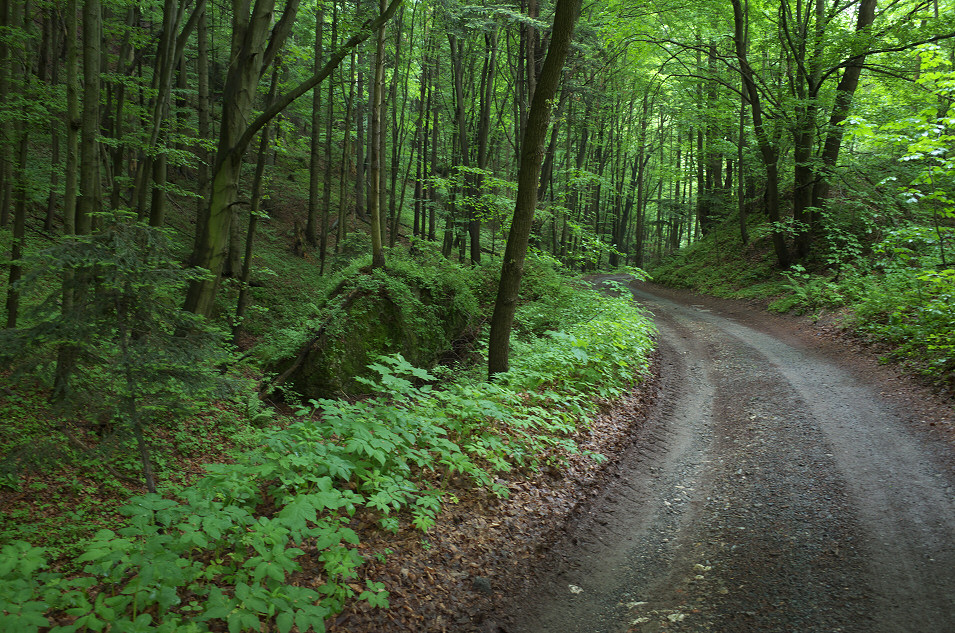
[(382, 311)]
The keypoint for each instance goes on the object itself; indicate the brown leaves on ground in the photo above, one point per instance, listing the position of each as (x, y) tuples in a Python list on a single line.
[(455, 576)]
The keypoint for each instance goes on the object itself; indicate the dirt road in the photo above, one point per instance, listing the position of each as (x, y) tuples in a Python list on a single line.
[(778, 486)]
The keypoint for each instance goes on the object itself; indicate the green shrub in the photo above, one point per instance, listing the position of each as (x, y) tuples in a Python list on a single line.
[(112, 331)]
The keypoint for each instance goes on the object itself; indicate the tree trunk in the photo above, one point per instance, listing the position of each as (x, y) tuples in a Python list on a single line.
[(767, 148), (346, 159), (311, 223), (255, 203), (806, 81), (329, 125), (360, 141), (432, 190), (7, 127), (396, 193), (547, 168), (88, 202), (24, 70), (710, 190), (421, 143), (378, 86), (202, 108), (845, 91), (464, 150), (740, 180), (51, 45), (166, 59), (532, 154), (255, 49)]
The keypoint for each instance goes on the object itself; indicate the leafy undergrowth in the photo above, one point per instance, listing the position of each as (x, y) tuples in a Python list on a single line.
[(65, 477), (272, 538), (483, 552), (903, 298)]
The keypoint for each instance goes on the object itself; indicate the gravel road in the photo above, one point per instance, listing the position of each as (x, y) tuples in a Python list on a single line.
[(778, 485)]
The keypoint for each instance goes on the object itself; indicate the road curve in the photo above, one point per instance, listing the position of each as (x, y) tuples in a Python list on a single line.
[(772, 490)]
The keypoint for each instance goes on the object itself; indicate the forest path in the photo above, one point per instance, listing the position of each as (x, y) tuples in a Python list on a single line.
[(778, 486)]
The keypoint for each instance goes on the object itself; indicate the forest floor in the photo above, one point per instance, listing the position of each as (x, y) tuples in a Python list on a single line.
[(773, 477)]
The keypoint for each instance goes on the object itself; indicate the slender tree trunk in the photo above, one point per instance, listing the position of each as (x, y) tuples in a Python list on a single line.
[(845, 91), (88, 202), (396, 193), (346, 159), (532, 154), (311, 223), (166, 61), (131, 397), (767, 148), (464, 150), (255, 204), (378, 86), (360, 141), (6, 128), (24, 71), (329, 126), (711, 187), (574, 198), (740, 180), (641, 200), (202, 108), (66, 354), (52, 46), (807, 76), (432, 189), (547, 169), (421, 142)]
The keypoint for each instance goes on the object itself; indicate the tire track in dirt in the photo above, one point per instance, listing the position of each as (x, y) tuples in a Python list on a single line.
[(768, 491)]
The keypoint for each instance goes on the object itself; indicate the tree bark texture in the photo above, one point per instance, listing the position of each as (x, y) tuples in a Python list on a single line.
[(532, 154)]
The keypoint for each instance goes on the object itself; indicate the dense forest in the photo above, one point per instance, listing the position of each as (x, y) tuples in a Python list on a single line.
[(332, 251)]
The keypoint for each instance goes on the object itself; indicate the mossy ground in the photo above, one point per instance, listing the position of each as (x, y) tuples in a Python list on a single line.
[(720, 264)]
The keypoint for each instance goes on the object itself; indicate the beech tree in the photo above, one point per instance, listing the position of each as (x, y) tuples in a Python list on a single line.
[(663, 127), (532, 155)]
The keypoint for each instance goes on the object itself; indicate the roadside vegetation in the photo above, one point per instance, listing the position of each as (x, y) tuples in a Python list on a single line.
[(246, 486), (889, 281), (882, 253)]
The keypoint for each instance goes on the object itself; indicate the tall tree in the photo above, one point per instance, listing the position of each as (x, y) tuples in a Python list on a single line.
[(314, 174), (374, 199), (767, 147), (532, 155), (255, 43), (23, 16)]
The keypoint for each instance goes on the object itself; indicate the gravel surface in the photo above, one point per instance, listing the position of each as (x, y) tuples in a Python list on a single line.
[(782, 482)]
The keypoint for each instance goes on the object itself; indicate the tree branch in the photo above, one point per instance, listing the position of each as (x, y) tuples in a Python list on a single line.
[(286, 100)]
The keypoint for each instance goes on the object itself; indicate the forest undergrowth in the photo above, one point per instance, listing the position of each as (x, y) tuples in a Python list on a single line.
[(245, 489)]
